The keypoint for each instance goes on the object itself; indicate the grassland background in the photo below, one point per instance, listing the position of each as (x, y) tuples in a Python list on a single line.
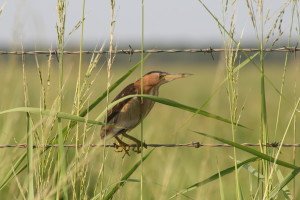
[(167, 170)]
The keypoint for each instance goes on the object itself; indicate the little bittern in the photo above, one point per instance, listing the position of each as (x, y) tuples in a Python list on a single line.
[(126, 115)]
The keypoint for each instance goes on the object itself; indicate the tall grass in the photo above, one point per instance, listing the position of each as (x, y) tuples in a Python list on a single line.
[(52, 106), (62, 163), (29, 134)]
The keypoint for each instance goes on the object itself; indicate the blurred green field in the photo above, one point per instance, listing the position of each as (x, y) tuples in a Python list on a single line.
[(167, 170)]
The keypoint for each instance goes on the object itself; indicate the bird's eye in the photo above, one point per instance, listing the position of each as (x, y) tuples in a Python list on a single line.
[(161, 76)]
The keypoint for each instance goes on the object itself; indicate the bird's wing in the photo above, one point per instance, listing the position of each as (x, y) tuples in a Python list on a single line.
[(128, 90)]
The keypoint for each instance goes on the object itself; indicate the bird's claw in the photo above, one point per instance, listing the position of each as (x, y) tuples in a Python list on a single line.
[(138, 146), (124, 148)]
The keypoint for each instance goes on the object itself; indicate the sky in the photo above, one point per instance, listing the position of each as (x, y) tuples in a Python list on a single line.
[(167, 22)]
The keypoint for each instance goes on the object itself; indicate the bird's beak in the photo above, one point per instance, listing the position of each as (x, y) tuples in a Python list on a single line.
[(171, 77)]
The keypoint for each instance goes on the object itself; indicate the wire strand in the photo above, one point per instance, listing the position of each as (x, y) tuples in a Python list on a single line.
[(191, 144), (131, 51)]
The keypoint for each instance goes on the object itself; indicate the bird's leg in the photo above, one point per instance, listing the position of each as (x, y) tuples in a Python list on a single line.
[(125, 147), (138, 142)]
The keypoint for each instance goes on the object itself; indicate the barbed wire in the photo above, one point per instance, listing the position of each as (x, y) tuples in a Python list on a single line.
[(131, 51), (191, 144)]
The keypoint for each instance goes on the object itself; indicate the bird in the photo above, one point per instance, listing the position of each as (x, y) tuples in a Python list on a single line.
[(128, 114)]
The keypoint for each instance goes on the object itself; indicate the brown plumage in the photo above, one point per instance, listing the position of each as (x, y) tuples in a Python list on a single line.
[(126, 115)]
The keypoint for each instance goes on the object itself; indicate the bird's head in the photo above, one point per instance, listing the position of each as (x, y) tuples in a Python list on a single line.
[(157, 78)]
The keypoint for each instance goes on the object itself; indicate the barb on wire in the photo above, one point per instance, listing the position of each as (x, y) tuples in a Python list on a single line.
[(191, 144), (131, 51)]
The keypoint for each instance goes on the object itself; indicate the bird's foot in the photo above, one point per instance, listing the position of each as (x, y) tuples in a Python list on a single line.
[(122, 147), (138, 146)]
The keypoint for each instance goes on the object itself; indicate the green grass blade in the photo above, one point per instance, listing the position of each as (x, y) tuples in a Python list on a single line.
[(253, 171), (126, 177), (174, 104), (286, 191), (61, 115), (283, 183), (241, 192), (62, 162), (222, 193), (213, 177), (30, 171), (251, 151), (12, 171)]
